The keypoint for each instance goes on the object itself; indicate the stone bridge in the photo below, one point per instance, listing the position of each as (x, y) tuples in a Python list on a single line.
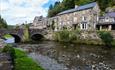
[(18, 34)]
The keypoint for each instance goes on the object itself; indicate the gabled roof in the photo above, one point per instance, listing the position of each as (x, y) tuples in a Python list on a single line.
[(110, 14), (83, 7)]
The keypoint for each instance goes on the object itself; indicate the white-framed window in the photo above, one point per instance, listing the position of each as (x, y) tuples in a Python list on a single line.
[(84, 25)]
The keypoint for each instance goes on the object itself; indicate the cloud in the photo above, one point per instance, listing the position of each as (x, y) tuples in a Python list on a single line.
[(4, 6), (19, 11)]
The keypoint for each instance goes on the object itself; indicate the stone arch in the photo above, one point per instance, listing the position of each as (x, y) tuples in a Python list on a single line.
[(37, 37), (17, 38)]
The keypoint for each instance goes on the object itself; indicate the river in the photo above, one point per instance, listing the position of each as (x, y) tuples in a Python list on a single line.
[(56, 56)]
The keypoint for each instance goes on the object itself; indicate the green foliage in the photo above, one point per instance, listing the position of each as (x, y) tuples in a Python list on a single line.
[(20, 54), (83, 2), (3, 23), (53, 10), (113, 43), (53, 25), (68, 4), (7, 36), (59, 7), (106, 37), (65, 36), (9, 50), (17, 26), (22, 62), (26, 33)]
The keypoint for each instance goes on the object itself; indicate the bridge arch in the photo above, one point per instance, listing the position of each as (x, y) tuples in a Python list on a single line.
[(37, 37), (16, 37)]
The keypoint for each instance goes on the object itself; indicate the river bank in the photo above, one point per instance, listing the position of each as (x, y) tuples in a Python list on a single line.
[(52, 55), (86, 37), (16, 59)]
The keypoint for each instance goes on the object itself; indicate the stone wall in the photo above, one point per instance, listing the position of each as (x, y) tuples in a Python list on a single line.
[(90, 37), (2, 44)]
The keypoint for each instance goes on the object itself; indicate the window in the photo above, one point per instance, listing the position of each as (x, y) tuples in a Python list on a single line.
[(84, 25), (83, 18)]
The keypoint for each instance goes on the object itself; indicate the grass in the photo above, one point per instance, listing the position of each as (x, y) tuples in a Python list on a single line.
[(7, 36), (22, 62), (20, 59)]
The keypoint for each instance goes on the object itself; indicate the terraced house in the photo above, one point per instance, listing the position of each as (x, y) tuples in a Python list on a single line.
[(107, 22), (84, 17)]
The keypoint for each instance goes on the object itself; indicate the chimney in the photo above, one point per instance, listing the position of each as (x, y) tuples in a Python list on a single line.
[(76, 6)]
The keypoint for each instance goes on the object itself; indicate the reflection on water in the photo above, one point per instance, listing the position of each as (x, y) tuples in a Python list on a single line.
[(71, 57), (10, 40)]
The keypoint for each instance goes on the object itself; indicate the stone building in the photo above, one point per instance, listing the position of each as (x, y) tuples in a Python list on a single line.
[(83, 17), (39, 23), (107, 22)]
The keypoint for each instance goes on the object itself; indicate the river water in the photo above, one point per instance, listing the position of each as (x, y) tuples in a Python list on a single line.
[(55, 56)]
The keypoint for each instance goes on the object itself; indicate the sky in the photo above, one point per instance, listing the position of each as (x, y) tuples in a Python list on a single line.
[(19, 11)]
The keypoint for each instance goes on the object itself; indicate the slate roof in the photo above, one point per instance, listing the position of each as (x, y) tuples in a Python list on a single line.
[(83, 7), (111, 14)]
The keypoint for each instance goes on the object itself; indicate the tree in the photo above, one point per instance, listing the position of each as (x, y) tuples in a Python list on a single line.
[(51, 7), (50, 10), (3, 23), (56, 4), (53, 10), (82, 2), (103, 4), (68, 4)]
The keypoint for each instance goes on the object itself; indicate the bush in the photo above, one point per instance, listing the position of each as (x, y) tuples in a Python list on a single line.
[(113, 43), (10, 50), (106, 37), (65, 36)]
